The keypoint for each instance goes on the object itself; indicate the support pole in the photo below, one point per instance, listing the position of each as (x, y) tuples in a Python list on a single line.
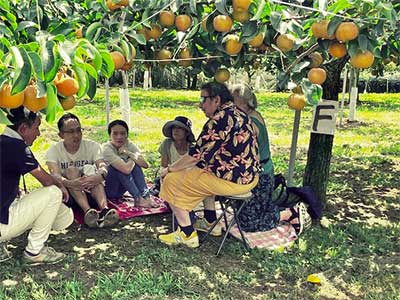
[(293, 147), (107, 87), (346, 70), (124, 100)]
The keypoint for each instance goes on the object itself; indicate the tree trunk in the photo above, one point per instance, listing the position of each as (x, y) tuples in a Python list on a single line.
[(188, 80), (320, 146), (194, 82)]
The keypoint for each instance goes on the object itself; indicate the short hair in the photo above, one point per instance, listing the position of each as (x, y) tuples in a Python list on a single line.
[(65, 117), (218, 89), (246, 95), (117, 122), (21, 115)]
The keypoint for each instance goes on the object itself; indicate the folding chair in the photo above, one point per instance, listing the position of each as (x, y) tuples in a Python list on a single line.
[(236, 204)]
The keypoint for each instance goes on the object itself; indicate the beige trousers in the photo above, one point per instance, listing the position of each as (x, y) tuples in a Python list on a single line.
[(41, 211)]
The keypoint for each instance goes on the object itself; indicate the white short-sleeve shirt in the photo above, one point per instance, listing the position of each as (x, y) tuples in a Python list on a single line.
[(88, 153)]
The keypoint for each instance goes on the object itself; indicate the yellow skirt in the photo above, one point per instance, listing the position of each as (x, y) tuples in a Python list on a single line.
[(187, 188)]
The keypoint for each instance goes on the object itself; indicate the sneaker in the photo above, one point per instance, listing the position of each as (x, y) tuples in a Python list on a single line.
[(299, 211), (46, 256), (91, 218), (203, 225), (4, 253), (108, 217), (179, 237)]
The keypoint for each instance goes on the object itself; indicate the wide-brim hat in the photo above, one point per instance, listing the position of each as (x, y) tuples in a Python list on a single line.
[(181, 122)]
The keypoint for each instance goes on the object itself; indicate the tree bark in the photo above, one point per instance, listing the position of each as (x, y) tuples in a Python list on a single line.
[(320, 146)]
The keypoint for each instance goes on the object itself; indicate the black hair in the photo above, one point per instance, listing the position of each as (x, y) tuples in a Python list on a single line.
[(64, 118), (21, 115), (218, 89), (117, 122)]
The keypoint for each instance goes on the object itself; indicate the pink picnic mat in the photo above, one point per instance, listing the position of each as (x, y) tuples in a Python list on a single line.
[(280, 237), (126, 209)]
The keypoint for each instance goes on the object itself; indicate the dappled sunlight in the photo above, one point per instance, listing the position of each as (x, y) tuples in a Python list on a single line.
[(198, 273), (52, 274), (82, 251), (9, 283)]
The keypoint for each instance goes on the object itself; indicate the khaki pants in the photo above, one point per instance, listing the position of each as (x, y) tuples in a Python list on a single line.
[(41, 211)]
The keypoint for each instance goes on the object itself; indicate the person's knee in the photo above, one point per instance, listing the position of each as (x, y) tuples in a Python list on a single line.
[(72, 173), (54, 193)]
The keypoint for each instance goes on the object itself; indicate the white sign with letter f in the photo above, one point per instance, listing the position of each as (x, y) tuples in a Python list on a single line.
[(324, 117)]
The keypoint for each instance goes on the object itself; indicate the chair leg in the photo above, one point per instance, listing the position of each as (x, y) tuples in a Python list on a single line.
[(215, 223), (231, 223)]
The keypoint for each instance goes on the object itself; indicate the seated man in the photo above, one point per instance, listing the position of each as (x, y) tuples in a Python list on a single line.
[(224, 161), (41, 210), (79, 165)]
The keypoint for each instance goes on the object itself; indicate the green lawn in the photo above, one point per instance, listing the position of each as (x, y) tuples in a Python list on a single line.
[(355, 250)]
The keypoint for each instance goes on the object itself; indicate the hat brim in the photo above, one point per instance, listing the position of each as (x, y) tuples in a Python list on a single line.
[(167, 129)]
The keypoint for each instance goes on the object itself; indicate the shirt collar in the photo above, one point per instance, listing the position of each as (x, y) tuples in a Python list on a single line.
[(12, 133)]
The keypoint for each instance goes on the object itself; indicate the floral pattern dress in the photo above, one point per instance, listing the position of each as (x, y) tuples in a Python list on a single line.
[(227, 146)]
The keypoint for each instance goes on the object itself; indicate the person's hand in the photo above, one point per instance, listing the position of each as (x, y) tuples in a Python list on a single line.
[(164, 172), (123, 150), (65, 194), (75, 184), (89, 182)]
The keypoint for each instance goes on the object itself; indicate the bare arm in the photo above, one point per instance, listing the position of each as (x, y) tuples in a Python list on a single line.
[(46, 180), (69, 183), (164, 161), (185, 162), (124, 167)]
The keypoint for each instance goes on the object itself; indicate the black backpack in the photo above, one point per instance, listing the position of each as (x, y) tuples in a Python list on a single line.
[(285, 196)]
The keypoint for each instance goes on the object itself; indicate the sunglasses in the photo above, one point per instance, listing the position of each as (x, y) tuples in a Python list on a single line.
[(204, 99)]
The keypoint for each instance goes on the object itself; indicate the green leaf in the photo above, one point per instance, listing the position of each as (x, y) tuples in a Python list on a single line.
[(300, 66), (26, 24), (138, 38), (41, 88), (4, 29), (3, 118), (221, 6), (23, 72), (333, 24), (283, 79), (277, 24), (80, 72), (261, 11), (37, 65), (107, 66), (62, 29), (192, 5), (363, 42), (51, 61), (52, 102), (353, 47), (249, 30), (92, 87), (90, 70), (312, 92), (92, 30), (5, 42), (5, 5)]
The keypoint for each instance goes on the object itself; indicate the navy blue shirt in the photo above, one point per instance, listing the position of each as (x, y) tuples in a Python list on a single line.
[(16, 159)]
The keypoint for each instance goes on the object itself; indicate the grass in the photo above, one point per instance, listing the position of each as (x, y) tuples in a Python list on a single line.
[(355, 249)]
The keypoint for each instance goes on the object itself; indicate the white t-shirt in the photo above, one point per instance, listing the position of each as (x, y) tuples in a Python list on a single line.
[(111, 154), (88, 153)]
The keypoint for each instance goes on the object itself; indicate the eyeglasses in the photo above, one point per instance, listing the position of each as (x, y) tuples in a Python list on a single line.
[(204, 99), (72, 131)]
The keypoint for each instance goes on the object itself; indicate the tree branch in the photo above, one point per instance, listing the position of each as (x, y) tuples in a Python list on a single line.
[(301, 56)]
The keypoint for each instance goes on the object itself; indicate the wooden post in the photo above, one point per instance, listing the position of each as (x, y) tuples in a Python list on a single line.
[(293, 147)]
